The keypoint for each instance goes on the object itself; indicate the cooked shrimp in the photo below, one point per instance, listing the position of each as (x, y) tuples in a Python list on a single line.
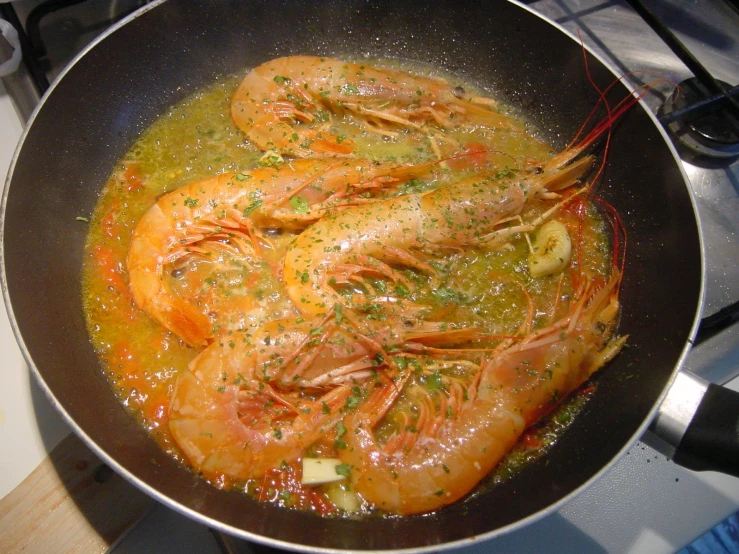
[(240, 409), (448, 456), (223, 214), (231, 426), (366, 239), (284, 104)]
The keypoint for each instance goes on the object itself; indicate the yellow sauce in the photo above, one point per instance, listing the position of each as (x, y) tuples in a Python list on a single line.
[(197, 139)]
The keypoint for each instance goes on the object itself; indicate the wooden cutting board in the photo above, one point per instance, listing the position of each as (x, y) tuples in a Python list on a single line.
[(71, 503)]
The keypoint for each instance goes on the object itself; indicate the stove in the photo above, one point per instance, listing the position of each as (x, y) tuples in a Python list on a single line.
[(645, 503)]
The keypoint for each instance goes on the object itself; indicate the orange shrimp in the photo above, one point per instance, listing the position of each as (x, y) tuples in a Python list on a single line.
[(284, 104), (241, 408), (231, 426), (344, 245), (454, 448), (223, 214), (368, 240)]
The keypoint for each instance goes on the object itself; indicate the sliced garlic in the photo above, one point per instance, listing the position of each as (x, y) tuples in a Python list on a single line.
[(552, 250), (343, 497), (317, 471)]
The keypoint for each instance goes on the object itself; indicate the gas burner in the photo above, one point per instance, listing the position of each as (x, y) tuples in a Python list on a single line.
[(702, 121)]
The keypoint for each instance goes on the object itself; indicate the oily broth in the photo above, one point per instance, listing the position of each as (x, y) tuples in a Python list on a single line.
[(197, 139), (190, 141)]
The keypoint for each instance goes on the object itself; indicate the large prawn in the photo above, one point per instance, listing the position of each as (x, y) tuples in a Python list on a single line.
[(257, 399), (232, 426), (285, 104), (224, 214), (446, 456), (365, 240)]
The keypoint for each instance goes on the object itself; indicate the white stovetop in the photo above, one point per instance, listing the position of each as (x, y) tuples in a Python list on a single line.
[(644, 503)]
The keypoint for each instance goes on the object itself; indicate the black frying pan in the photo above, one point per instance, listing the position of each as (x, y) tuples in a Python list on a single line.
[(94, 113)]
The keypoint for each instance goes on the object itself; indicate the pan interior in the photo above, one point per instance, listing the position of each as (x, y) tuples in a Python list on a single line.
[(119, 87)]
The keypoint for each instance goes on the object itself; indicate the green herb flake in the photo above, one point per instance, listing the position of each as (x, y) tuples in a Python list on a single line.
[(349, 89), (299, 204), (433, 381), (449, 296), (339, 313), (352, 402), (401, 290), (340, 429), (251, 207)]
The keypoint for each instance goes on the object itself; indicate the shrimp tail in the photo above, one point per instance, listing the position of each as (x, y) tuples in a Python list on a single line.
[(145, 265), (181, 318)]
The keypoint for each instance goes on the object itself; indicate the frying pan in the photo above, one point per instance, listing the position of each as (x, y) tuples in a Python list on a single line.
[(169, 49)]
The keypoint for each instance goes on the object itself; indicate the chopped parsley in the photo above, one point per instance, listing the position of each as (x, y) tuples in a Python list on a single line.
[(299, 204)]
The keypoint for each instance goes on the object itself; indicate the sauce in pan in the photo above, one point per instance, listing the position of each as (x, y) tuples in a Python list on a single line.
[(403, 341)]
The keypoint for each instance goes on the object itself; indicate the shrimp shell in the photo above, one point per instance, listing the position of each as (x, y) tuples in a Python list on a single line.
[(279, 104), (364, 238)]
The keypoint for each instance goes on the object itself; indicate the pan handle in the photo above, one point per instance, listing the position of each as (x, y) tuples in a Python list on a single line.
[(701, 420)]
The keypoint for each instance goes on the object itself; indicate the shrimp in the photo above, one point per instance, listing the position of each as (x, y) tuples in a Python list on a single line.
[(257, 399), (284, 104), (223, 214), (231, 426), (366, 239), (456, 447)]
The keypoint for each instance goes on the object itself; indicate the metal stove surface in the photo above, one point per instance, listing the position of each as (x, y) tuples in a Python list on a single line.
[(645, 503)]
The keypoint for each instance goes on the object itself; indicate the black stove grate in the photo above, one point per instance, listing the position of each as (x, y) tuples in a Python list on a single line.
[(702, 114)]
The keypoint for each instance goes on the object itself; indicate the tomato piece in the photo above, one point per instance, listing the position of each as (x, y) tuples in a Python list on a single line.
[(529, 441), (132, 180), (110, 269), (109, 223)]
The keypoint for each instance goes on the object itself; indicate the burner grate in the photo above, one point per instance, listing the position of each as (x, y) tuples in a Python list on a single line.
[(702, 113), (701, 121)]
